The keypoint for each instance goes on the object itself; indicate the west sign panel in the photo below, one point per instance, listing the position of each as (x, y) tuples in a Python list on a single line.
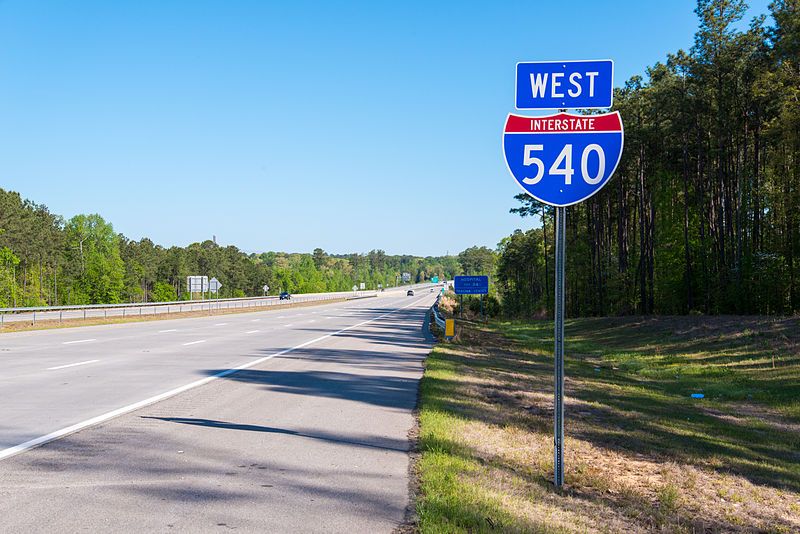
[(565, 84)]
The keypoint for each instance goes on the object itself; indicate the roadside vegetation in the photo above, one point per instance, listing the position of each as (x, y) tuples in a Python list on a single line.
[(47, 260), (642, 455), (703, 211)]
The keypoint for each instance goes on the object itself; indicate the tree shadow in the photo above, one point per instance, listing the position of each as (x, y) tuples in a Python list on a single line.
[(381, 390), (380, 442)]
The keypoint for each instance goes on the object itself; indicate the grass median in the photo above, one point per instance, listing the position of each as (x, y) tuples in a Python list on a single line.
[(641, 453)]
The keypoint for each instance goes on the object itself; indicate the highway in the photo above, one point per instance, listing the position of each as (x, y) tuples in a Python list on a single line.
[(97, 311), (284, 420)]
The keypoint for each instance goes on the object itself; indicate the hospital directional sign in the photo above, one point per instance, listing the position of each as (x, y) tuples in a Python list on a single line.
[(565, 84), (471, 285), (563, 159)]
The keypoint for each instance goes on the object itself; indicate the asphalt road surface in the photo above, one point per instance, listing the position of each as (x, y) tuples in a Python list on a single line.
[(152, 430)]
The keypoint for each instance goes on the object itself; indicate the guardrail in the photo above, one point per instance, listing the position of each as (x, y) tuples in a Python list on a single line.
[(436, 317), (86, 311), (61, 313)]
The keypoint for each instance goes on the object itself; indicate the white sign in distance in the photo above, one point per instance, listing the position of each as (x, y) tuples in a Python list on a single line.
[(363, 285), (214, 285), (355, 288), (196, 284)]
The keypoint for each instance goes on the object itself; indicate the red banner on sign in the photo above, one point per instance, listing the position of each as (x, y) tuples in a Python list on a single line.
[(564, 123)]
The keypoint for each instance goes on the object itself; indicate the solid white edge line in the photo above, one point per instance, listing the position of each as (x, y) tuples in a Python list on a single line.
[(70, 365), (52, 436)]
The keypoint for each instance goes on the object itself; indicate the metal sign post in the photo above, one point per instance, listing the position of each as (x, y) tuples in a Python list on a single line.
[(561, 160), (558, 397)]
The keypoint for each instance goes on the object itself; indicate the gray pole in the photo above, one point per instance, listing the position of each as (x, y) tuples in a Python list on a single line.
[(558, 409)]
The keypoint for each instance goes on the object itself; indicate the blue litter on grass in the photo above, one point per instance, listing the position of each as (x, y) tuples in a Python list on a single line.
[(697, 395)]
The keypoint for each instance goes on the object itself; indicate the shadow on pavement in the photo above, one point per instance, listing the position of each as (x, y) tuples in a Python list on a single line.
[(397, 445), (388, 391)]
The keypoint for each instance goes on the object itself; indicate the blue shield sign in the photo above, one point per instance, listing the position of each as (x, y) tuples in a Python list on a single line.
[(565, 84), (563, 159), (471, 285)]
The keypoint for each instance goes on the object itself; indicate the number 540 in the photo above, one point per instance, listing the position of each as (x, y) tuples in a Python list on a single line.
[(563, 164)]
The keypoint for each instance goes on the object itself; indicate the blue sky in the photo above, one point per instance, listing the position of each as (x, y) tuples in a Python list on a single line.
[(293, 125)]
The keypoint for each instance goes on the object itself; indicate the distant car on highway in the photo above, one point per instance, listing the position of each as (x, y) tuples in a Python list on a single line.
[(410, 293), (285, 296)]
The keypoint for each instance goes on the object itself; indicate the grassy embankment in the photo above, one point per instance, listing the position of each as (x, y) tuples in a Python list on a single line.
[(641, 454)]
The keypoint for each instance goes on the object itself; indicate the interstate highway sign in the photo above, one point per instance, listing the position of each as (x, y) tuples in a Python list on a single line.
[(563, 159), (565, 84)]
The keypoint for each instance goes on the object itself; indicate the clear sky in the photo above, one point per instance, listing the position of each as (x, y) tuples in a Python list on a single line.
[(293, 125)]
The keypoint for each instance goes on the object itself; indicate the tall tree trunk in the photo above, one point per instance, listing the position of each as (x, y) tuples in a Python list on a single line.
[(641, 268), (687, 270)]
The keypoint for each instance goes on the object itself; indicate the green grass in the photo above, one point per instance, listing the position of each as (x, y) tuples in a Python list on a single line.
[(641, 453), (726, 359)]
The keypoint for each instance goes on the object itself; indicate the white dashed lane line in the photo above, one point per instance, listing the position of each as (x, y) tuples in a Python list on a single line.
[(78, 341), (170, 330), (194, 342), (71, 365), (252, 331)]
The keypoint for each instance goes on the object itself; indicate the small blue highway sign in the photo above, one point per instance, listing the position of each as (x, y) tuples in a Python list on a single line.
[(471, 285)]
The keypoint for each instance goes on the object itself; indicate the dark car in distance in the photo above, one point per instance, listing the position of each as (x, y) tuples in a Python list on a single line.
[(285, 296), (410, 293)]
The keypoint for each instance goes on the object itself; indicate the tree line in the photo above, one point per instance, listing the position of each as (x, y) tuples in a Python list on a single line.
[(47, 260), (702, 214)]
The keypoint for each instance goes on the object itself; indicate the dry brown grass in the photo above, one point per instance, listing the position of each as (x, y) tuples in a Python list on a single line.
[(639, 458)]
